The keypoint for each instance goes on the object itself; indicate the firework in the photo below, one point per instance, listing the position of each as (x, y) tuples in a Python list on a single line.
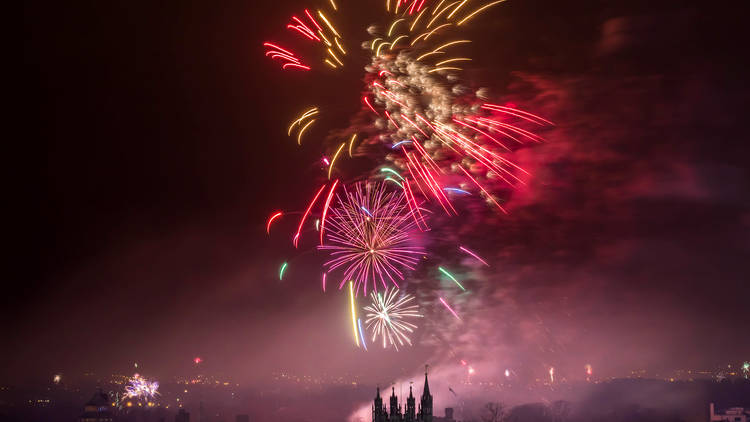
[(140, 388), (370, 236), (433, 126), (388, 316)]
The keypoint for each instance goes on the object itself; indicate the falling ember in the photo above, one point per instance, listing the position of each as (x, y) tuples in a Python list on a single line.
[(551, 374), (507, 373), (57, 378), (589, 370), (449, 309), (197, 360)]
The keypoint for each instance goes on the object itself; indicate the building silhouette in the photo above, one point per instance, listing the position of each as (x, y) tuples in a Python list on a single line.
[(97, 409), (182, 416), (394, 413)]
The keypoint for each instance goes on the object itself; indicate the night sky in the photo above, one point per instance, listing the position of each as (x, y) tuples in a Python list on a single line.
[(154, 150)]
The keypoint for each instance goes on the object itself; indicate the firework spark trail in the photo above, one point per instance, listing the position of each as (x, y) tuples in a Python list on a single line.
[(449, 308), (370, 236), (271, 219), (444, 271), (354, 312), (361, 334), (474, 255), (388, 316)]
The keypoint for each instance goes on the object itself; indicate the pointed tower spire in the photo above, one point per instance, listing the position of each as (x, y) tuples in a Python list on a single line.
[(426, 384)]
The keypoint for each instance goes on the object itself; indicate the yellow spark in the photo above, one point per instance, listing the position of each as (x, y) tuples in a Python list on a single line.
[(428, 54), (330, 63), (372, 45), (418, 38), (437, 7), (330, 168), (390, 30), (387, 5), (443, 68), (354, 315), (451, 43), (478, 10), (441, 12), (398, 3), (324, 38), (377, 52), (411, 28), (328, 23), (351, 142), (339, 45), (334, 57), (299, 135), (396, 40), (452, 60), (436, 28), (334, 5), (455, 10), (304, 115)]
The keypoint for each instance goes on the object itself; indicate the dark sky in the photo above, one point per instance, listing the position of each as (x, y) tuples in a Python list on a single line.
[(154, 150)]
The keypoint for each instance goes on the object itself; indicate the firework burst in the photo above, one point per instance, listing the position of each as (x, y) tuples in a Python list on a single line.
[(140, 388), (370, 236), (435, 128), (388, 316)]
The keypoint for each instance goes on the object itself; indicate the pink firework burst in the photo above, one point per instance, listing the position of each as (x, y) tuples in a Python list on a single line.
[(371, 236)]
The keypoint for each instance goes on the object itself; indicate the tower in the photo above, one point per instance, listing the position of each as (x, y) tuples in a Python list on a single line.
[(378, 411), (411, 411), (425, 403), (395, 411)]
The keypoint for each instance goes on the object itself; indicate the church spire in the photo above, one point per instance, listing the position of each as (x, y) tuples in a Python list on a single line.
[(426, 384)]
